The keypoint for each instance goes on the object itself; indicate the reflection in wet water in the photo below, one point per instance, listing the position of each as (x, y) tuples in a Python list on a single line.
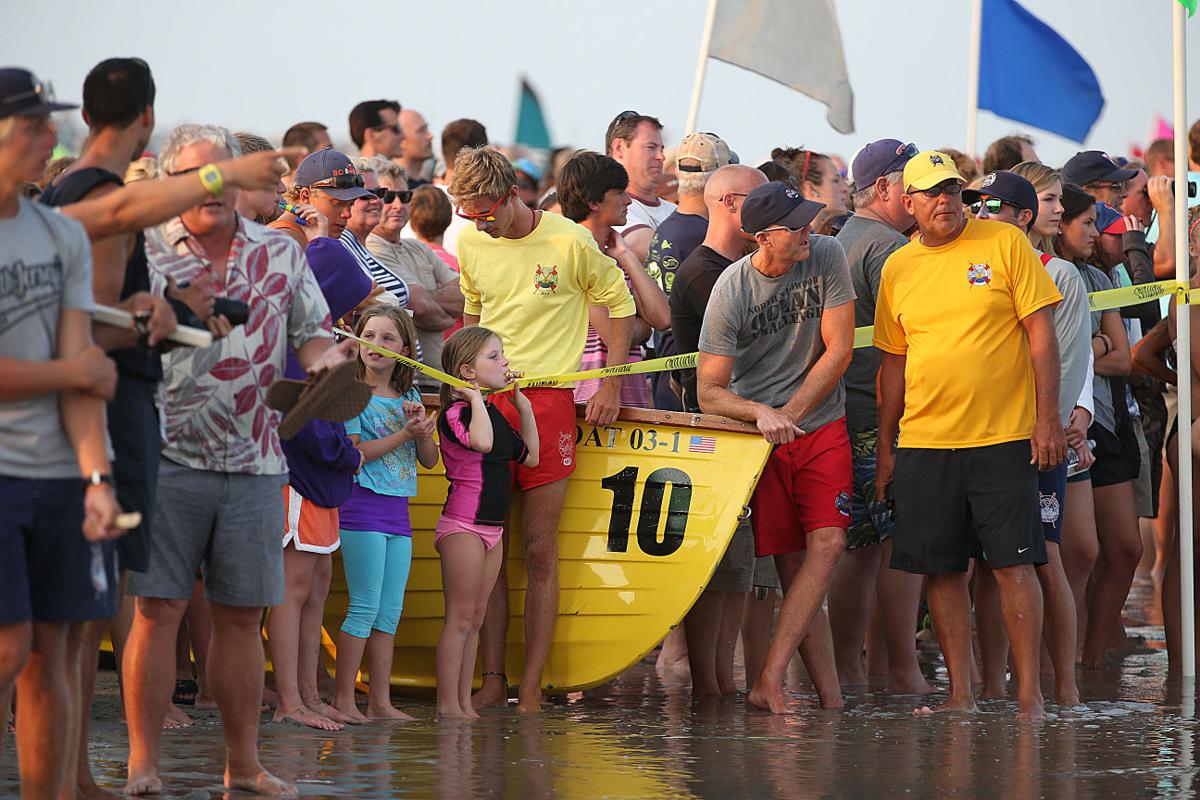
[(639, 737)]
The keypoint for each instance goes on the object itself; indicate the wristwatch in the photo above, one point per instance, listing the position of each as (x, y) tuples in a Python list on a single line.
[(98, 478)]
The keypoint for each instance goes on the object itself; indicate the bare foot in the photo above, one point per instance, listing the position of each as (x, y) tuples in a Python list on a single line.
[(389, 713), (88, 790), (530, 704), (493, 694), (176, 718), (261, 782), (832, 701), (306, 717), (1034, 713), (993, 693), (452, 712), (205, 700), (768, 699), (352, 713), (143, 783), (908, 684), (1067, 695), (318, 706), (950, 706)]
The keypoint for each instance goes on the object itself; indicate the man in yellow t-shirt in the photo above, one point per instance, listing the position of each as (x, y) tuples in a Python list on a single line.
[(530, 277), (969, 356)]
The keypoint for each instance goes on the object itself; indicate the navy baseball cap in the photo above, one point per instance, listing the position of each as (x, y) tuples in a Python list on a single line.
[(23, 95), (878, 159), (776, 203), (1007, 186), (1091, 166), (331, 172)]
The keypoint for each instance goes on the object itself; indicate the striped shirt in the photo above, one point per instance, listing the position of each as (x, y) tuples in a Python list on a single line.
[(382, 276)]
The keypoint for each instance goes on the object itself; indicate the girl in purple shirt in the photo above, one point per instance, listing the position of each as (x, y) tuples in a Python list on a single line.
[(478, 448)]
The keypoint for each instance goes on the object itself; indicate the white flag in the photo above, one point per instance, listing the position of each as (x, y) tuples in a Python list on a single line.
[(795, 42)]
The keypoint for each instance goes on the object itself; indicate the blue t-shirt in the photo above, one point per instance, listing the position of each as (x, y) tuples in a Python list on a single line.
[(394, 473)]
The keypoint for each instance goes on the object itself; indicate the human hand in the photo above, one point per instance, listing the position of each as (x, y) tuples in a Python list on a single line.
[(418, 425), (316, 223), (605, 405), (1077, 427), (1132, 223), (100, 512), (616, 246), (1086, 456), (219, 326), (95, 372), (885, 467), (470, 393), (259, 171), (161, 323), (199, 295), (343, 351), (1159, 190), (776, 427), (520, 400), (1048, 444)]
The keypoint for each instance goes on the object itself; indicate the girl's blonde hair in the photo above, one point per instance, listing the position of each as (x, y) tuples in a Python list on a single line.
[(460, 350), (1042, 178), (402, 375)]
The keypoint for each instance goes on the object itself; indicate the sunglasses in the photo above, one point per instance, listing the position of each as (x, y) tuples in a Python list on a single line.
[(388, 196), (992, 204), (340, 182), (624, 115), (907, 150), (42, 90), (486, 216), (1116, 186), (951, 189), (784, 228)]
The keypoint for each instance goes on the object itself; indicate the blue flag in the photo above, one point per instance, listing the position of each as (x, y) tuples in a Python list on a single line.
[(1029, 73), (531, 123)]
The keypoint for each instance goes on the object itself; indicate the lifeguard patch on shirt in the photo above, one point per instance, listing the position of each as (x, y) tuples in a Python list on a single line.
[(979, 274), (545, 280)]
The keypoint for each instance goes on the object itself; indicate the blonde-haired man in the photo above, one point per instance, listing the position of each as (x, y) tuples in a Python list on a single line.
[(511, 248)]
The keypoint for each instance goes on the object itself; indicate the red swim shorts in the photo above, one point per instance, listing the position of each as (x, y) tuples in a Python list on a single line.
[(554, 410), (804, 486)]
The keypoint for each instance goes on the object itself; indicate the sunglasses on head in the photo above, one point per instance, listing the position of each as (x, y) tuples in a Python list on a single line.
[(624, 115), (907, 150), (43, 90), (485, 216), (340, 182), (388, 196), (950, 189)]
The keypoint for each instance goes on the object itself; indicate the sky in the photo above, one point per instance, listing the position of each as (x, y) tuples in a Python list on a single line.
[(263, 66)]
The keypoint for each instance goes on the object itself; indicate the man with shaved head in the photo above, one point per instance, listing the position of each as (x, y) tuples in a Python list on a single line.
[(416, 149)]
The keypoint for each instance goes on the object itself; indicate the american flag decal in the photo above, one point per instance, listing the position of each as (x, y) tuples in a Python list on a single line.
[(702, 444)]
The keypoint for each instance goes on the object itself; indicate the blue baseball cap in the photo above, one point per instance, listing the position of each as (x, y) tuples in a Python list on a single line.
[(877, 159), (776, 203), (1093, 166), (528, 167), (23, 95), (331, 172), (1007, 186)]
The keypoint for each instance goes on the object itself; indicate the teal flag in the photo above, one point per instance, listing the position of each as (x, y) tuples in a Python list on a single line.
[(1190, 5), (531, 123)]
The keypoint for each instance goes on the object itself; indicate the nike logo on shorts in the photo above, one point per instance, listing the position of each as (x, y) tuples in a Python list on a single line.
[(1022, 550)]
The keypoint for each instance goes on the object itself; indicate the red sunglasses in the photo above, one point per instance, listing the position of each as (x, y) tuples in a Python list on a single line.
[(486, 216)]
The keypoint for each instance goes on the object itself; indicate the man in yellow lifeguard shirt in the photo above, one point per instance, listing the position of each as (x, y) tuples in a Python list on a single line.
[(530, 277), (969, 355)]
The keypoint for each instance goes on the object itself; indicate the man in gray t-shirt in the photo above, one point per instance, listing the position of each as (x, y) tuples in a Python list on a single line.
[(776, 338)]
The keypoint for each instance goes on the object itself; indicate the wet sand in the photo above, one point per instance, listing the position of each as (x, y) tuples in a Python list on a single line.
[(644, 737)]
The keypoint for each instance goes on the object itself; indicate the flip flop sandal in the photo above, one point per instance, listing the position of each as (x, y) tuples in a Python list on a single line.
[(185, 692), (333, 395)]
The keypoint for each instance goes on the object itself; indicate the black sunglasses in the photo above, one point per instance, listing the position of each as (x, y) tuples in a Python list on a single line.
[(344, 181), (951, 189), (388, 196)]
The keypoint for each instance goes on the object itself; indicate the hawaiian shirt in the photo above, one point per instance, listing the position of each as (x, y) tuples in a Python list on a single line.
[(215, 399)]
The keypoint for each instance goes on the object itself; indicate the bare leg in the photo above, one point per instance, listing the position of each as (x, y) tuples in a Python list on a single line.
[(1060, 625), (149, 670), (1121, 550), (731, 621), (349, 658), (898, 600), (90, 646), (492, 560), (283, 632), (702, 627), (1167, 519), (15, 641), (543, 508), (1080, 548), (200, 625), (950, 605), (851, 597), (816, 649), (493, 637), (235, 671), (462, 557), (993, 639), (381, 649), (803, 598), (45, 710), (1021, 599), (309, 655), (756, 632)]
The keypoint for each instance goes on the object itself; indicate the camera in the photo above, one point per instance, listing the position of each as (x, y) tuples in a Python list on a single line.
[(1191, 188)]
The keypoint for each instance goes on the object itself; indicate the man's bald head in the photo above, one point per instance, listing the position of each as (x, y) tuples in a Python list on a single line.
[(737, 178)]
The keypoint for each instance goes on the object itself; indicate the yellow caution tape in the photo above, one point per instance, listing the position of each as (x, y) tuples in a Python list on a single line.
[(1105, 300)]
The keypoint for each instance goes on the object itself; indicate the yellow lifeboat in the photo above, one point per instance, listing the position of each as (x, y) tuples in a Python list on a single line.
[(650, 510)]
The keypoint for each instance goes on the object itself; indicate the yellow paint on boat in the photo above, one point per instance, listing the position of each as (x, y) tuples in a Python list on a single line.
[(650, 510)]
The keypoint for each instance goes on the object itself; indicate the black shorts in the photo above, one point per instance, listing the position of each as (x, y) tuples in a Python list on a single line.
[(949, 502), (133, 428), (1117, 456), (46, 566)]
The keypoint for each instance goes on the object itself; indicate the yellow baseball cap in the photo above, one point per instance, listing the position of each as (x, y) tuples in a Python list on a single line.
[(929, 169)]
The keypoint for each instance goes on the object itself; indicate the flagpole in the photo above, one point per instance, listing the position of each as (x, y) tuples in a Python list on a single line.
[(973, 74), (1184, 351), (701, 66)]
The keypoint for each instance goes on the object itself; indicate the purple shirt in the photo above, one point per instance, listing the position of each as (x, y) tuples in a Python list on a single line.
[(480, 483), (370, 511)]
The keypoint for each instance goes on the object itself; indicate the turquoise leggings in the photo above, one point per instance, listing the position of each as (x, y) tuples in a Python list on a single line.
[(376, 566)]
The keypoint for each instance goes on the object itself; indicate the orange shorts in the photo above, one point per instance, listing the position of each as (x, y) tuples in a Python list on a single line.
[(554, 410), (308, 526)]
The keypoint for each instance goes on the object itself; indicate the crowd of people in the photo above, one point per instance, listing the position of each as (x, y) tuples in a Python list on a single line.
[(994, 456)]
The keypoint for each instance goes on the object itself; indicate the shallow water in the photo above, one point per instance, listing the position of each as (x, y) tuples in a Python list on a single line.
[(641, 736)]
